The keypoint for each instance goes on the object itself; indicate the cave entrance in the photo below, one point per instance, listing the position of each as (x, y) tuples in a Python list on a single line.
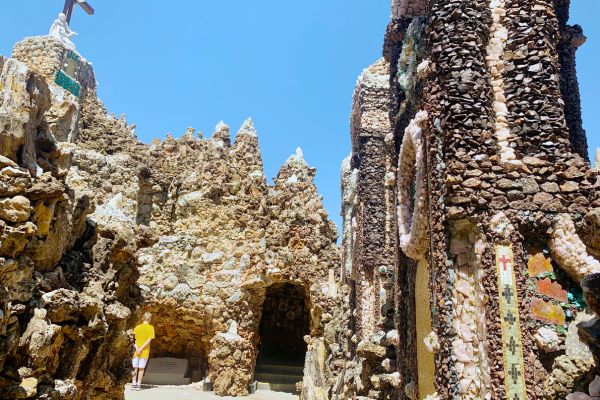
[(282, 349)]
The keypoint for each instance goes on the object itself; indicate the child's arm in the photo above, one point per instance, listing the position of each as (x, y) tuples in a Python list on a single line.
[(145, 345)]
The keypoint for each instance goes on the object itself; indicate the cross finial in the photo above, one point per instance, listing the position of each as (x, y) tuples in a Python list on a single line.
[(70, 4)]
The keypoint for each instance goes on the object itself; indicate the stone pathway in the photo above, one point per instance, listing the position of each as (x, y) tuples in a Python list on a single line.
[(190, 392)]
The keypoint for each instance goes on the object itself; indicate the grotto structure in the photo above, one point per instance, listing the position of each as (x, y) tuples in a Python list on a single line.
[(469, 259), (471, 209), (97, 227)]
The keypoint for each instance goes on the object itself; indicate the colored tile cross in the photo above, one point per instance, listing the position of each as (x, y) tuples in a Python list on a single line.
[(510, 318), (508, 293), (512, 345), (515, 374), (505, 262), (512, 348)]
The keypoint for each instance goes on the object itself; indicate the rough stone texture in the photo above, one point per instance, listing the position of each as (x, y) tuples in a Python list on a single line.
[(86, 210), (572, 38), (408, 8), (369, 238), (505, 163), (227, 238), (96, 227), (68, 273)]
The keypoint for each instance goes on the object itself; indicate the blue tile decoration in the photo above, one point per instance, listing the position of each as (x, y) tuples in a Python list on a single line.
[(65, 81), (73, 56)]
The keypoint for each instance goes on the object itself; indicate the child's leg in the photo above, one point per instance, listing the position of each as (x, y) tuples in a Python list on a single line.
[(136, 365), (141, 370), (141, 375)]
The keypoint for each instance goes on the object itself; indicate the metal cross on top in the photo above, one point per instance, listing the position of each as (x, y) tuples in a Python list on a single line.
[(70, 4)]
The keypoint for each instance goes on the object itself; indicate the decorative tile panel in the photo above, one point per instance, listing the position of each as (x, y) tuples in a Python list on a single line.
[(68, 83), (514, 371)]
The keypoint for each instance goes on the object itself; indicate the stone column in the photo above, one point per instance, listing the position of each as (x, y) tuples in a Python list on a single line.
[(369, 126)]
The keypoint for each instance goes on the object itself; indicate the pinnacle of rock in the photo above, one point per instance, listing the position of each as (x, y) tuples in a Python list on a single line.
[(296, 158), (221, 126), (247, 128), (221, 134), (189, 135)]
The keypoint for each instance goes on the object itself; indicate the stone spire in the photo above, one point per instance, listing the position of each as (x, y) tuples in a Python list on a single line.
[(246, 151), (247, 129), (295, 169), (222, 134), (189, 136)]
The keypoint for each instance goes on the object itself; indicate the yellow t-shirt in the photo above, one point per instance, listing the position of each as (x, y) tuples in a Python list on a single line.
[(143, 332)]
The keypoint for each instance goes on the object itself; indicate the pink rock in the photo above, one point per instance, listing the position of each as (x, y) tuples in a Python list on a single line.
[(462, 352), (466, 333), (578, 396), (595, 387), (464, 288), (464, 385)]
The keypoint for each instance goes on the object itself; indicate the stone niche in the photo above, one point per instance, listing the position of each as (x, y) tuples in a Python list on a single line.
[(181, 335)]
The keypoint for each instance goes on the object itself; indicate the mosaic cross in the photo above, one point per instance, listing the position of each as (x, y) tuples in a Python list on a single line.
[(510, 318), (515, 374), (512, 347), (70, 4), (508, 293), (505, 262)]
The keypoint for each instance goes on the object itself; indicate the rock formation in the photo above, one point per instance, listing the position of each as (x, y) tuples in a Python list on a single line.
[(469, 262), (96, 227), (470, 207), (68, 268)]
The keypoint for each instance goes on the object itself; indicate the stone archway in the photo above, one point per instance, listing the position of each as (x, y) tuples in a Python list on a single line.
[(282, 349)]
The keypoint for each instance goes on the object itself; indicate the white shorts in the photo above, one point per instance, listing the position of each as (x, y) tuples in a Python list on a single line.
[(139, 362)]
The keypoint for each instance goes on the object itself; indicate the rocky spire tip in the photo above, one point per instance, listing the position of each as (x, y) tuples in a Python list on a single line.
[(221, 126), (296, 157), (247, 128)]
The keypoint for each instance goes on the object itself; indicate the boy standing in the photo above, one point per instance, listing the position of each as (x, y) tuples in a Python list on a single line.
[(144, 333)]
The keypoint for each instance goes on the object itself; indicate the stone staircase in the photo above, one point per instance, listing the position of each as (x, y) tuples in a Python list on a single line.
[(278, 375)]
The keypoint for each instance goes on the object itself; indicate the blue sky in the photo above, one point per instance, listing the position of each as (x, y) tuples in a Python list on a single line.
[(289, 65)]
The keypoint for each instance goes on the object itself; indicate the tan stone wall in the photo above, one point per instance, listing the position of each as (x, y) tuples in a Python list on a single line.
[(216, 237), (67, 277)]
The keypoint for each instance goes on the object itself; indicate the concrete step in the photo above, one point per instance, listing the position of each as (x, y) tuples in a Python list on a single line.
[(277, 378), (281, 369), (277, 387)]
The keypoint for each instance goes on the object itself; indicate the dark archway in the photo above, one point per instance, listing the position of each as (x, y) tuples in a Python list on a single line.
[(282, 349)]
